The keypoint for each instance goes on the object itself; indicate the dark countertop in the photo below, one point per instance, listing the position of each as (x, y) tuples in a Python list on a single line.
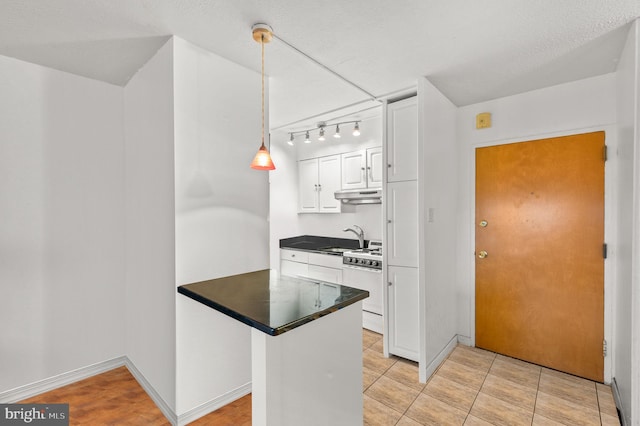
[(273, 305), (320, 244)]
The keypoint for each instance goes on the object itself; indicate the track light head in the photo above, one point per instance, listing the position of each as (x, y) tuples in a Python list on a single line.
[(321, 134), (356, 129), (337, 133), (290, 141), (306, 138)]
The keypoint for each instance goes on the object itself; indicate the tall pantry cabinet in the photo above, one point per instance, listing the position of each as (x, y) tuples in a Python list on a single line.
[(401, 230)]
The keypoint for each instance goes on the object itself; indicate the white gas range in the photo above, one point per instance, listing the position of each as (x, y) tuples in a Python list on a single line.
[(368, 258), (362, 269)]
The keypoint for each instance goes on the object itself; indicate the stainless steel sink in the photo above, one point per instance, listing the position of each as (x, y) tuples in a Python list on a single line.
[(334, 249)]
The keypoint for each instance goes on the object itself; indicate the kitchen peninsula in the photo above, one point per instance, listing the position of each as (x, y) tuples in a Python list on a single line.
[(306, 345)]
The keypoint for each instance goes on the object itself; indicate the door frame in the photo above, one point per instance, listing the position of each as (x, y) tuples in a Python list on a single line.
[(610, 229)]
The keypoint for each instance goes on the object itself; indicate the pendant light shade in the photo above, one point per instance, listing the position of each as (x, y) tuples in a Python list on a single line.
[(262, 161)]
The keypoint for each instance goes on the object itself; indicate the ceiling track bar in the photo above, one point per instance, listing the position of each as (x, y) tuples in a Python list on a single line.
[(326, 68), (406, 92), (328, 112)]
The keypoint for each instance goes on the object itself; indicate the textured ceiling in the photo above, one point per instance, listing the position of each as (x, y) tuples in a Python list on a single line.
[(471, 50)]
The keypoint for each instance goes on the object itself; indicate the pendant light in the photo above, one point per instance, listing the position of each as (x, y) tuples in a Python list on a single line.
[(262, 33)]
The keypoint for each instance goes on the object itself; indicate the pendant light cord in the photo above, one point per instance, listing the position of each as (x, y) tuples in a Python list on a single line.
[(262, 45)]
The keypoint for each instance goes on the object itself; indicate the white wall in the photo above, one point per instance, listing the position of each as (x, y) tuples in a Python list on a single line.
[(285, 222), (625, 370), (221, 209), (283, 198), (62, 227), (580, 106), (438, 180), (150, 253)]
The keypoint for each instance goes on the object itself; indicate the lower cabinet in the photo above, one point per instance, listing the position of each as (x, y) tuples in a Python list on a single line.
[(322, 273), (404, 319), (323, 267), (291, 268)]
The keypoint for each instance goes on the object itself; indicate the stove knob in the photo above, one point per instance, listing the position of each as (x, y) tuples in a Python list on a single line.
[(369, 262), (374, 263)]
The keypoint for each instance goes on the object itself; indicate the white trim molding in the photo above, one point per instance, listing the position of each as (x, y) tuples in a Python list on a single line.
[(212, 405), (155, 396), (439, 359), (54, 382)]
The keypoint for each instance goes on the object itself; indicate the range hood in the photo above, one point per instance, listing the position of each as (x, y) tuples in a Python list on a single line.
[(359, 196)]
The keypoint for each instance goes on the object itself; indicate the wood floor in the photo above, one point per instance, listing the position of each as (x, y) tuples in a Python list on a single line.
[(471, 386)]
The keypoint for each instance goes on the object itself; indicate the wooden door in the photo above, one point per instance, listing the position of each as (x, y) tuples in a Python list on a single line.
[(540, 220)]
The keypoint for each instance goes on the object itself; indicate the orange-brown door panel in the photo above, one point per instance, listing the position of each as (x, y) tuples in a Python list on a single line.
[(540, 288)]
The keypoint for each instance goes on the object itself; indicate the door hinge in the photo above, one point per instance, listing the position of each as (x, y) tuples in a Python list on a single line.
[(604, 250), (604, 348), (604, 153)]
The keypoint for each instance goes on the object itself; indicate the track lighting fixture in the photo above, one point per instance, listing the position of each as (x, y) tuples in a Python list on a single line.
[(321, 127)]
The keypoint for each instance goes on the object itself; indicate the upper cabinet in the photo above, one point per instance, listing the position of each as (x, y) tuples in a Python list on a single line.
[(402, 140), (319, 178), (362, 169)]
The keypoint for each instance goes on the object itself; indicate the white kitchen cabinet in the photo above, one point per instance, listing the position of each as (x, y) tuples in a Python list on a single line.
[(404, 329), (318, 179), (362, 169), (402, 223), (402, 140), (322, 273), (294, 269), (323, 267)]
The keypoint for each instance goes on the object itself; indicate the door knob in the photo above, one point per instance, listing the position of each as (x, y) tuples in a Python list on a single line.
[(482, 254), (484, 223)]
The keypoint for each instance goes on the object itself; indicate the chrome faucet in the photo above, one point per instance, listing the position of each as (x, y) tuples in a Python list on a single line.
[(359, 232)]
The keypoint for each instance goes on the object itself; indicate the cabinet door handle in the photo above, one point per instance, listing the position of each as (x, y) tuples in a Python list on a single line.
[(389, 165), (388, 220), (319, 187), (316, 187), (389, 283)]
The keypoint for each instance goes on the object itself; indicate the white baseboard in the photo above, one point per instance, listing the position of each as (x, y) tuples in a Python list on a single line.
[(51, 383), (155, 396), (618, 401), (54, 382), (372, 322), (464, 340), (442, 355), (214, 404)]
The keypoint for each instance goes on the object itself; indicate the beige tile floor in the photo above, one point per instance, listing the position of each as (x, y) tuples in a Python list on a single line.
[(476, 387)]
